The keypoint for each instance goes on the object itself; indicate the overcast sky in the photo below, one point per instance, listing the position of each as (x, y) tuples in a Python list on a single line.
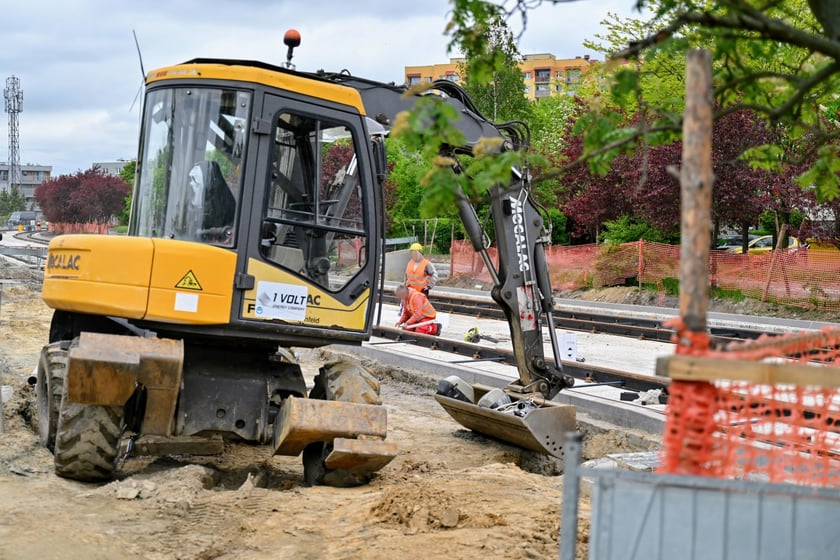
[(79, 70)]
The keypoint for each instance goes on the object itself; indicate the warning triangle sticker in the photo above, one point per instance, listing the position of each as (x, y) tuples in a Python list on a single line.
[(189, 282)]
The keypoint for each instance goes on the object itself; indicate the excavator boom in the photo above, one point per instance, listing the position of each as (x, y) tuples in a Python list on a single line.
[(521, 284)]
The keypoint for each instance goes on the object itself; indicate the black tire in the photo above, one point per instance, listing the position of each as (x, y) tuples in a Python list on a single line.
[(49, 389), (345, 381), (87, 441)]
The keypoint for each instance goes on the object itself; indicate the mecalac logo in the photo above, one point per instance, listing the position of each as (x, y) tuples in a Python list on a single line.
[(519, 234), (63, 262)]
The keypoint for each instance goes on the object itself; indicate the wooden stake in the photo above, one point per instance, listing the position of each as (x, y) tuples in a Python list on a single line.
[(696, 181)]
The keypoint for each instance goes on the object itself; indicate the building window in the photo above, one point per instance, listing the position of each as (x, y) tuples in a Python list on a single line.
[(543, 90), (558, 88), (543, 74), (428, 79), (527, 89), (526, 75), (413, 79), (559, 74), (572, 76), (452, 76)]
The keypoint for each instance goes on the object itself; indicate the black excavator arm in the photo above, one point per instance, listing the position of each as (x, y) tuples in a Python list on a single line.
[(521, 284)]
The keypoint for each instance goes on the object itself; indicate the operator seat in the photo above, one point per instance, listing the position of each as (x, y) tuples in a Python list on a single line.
[(219, 204)]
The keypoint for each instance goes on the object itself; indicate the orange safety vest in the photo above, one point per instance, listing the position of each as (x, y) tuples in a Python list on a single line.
[(415, 274), (419, 304)]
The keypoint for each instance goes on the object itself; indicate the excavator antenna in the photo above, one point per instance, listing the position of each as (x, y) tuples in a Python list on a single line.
[(291, 39)]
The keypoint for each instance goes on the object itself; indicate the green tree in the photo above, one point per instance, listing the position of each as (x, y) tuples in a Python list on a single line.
[(498, 94), (128, 171), (12, 201), (127, 174), (779, 59), (403, 192), (771, 58), (549, 120), (4, 204)]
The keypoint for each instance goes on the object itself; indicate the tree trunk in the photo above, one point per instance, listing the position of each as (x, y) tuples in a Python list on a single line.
[(696, 181)]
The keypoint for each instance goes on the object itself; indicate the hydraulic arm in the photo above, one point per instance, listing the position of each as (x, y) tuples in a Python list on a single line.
[(521, 283)]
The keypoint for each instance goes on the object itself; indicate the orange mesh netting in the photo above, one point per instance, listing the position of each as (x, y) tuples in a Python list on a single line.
[(808, 278), (64, 228), (773, 413)]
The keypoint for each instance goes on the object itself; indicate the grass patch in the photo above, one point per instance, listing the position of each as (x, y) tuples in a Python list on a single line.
[(671, 287), (734, 295)]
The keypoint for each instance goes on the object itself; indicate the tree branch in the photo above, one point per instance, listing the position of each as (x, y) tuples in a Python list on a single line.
[(749, 20), (621, 142)]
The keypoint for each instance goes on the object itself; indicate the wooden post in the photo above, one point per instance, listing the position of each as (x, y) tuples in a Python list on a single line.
[(641, 244), (696, 181), (773, 259)]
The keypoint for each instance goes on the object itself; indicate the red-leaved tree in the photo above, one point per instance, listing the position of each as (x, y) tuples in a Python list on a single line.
[(89, 196), (589, 199)]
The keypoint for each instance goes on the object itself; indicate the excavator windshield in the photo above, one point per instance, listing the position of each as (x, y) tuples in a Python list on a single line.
[(190, 164)]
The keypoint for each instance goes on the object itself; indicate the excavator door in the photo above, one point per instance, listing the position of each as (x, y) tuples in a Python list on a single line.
[(313, 241)]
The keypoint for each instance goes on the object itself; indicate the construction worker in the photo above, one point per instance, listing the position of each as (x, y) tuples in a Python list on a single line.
[(418, 314), (420, 273)]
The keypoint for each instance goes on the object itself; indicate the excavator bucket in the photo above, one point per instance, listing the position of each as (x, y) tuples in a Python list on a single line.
[(527, 422)]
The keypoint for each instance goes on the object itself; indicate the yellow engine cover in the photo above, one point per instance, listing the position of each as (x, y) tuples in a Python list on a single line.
[(140, 278)]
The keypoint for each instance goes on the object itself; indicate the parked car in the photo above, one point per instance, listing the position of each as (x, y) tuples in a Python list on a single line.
[(730, 241), (764, 244), (25, 219)]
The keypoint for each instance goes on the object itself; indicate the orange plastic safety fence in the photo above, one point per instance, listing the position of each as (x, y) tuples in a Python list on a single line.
[(808, 278), (78, 227), (777, 432)]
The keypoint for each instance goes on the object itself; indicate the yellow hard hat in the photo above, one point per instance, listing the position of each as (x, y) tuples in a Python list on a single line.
[(416, 247)]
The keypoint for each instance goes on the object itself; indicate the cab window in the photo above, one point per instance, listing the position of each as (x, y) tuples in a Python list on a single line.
[(313, 221)]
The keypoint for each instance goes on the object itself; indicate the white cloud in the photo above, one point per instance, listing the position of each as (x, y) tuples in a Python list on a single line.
[(79, 69)]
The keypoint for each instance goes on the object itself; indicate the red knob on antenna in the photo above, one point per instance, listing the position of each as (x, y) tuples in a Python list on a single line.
[(291, 38)]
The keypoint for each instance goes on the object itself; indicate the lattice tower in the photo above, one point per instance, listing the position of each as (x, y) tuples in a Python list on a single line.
[(13, 97)]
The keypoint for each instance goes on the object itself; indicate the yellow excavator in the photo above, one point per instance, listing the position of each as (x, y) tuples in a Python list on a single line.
[(256, 226)]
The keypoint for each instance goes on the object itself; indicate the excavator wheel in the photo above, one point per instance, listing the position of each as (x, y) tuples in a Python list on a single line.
[(49, 389), (87, 437), (346, 381)]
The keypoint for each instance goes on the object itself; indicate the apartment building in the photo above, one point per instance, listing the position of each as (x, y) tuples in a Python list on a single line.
[(544, 74), (113, 168), (30, 177)]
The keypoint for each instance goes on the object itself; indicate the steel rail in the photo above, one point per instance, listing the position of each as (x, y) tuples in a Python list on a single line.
[(586, 373), (584, 321)]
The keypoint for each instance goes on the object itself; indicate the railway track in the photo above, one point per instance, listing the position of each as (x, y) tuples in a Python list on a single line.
[(475, 353), (30, 237), (581, 320), (32, 255)]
